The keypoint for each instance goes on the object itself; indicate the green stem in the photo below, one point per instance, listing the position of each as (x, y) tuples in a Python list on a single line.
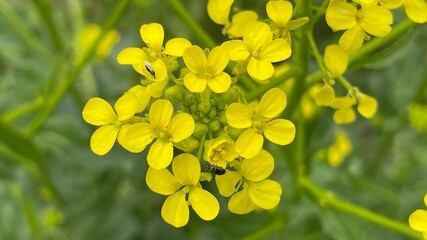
[(345, 83), (55, 98), (317, 56), (327, 200), (45, 13), (200, 33), (21, 110)]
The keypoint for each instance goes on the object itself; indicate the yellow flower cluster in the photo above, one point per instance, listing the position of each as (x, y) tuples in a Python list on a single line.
[(194, 119)]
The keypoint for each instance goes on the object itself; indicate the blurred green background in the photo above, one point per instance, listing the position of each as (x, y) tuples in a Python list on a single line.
[(53, 187)]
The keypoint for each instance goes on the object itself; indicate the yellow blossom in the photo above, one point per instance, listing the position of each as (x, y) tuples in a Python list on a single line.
[(416, 10), (258, 50), (418, 219), (183, 190), (324, 94), (339, 149), (165, 128), (257, 119), (344, 113), (374, 20), (154, 57), (112, 123), (206, 71), (218, 10), (220, 151), (248, 186), (238, 23), (367, 106), (335, 60)]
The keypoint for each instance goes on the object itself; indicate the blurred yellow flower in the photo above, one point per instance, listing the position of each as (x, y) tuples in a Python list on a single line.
[(182, 183), (339, 149), (418, 219)]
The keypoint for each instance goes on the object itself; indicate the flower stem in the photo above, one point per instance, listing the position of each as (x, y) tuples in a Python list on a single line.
[(328, 200), (191, 23), (317, 56)]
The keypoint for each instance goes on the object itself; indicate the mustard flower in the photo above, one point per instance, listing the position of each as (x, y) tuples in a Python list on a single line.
[(165, 128), (220, 151), (153, 58), (258, 50), (184, 182), (257, 119), (416, 10), (206, 71), (339, 149), (236, 28), (418, 220), (248, 186), (336, 60), (374, 20), (367, 105), (344, 113), (218, 10), (99, 112)]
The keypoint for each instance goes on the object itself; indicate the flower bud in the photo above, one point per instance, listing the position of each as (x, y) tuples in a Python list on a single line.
[(174, 94), (200, 130)]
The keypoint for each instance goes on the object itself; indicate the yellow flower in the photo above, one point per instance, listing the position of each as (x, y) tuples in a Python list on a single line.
[(374, 20), (336, 60), (218, 10), (257, 119), (154, 58), (248, 188), (324, 94), (418, 219), (112, 123), (206, 71), (165, 128), (339, 149), (238, 23), (220, 151), (259, 50), (416, 10), (185, 180), (367, 106), (344, 113)]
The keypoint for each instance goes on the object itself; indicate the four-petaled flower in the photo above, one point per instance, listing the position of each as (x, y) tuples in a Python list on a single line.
[(112, 123), (418, 219), (185, 180), (257, 119), (258, 50), (206, 71), (165, 128), (154, 55), (248, 186)]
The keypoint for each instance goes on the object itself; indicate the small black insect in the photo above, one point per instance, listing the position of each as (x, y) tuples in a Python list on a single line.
[(216, 170), (149, 68)]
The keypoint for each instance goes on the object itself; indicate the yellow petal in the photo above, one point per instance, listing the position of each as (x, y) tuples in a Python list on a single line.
[(142, 95), (227, 183), (175, 210), (325, 95), (259, 167), (367, 106), (376, 20), (236, 50), (126, 106), (416, 10), (425, 199), (132, 55), (239, 22), (138, 136), (272, 103), (239, 115), (181, 127), (160, 154), (352, 39), (103, 139), (161, 181), (195, 59), (194, 84), (344, 116), (160, 113), (265, 194), (279, 12), (156, 88), (217, 60), (249, 143), (418, 220), (391, 4), (275, 51), (186, 169), (160, 71), (341, 15), (256, 35), (260, 70), (203, 203), (218, 10), (343, 102), (176, 47), (219, 83), (152, 34), (280, 131), (98, 112), (241, 203), (335, 60)]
